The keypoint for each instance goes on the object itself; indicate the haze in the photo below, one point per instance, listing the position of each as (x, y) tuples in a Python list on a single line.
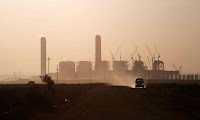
[(70, 27)]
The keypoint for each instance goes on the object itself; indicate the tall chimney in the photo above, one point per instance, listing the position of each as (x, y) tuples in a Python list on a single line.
[(97, 51), (43, 56)]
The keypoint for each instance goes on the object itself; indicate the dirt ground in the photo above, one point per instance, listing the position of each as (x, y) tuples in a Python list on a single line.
[(99, 102)]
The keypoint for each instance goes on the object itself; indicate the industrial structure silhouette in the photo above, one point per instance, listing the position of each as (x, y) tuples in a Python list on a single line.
[(82, 70)]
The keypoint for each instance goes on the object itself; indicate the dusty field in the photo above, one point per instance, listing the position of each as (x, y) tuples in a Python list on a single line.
[(99, 102)]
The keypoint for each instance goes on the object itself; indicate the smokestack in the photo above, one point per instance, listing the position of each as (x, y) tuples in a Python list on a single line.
[(97, 51), (43, 56)]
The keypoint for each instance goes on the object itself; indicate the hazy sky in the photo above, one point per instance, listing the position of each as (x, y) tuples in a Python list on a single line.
[(70, 27)]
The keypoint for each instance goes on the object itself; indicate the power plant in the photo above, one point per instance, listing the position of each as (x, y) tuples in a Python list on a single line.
[(83, 70)]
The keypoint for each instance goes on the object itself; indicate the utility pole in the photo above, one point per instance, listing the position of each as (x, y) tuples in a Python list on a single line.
[(90, 76), (104, 76), (57, 73), (15, 76), (120, 56), (48, 63), (90, 65), (76, 75)]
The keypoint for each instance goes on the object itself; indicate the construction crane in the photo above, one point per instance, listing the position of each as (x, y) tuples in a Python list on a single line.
[(180, 69), (114, 56), (132, 55), (152, 56), (117, 52), (177, 69), (103, 52), (139, 56), (157, 52)]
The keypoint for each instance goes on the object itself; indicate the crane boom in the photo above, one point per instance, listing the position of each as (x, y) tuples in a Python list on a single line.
[(135, 51), (157, 52), (149, 50), (117, 52), (132, 55), (175, 67), (112, 56), (103, 52)]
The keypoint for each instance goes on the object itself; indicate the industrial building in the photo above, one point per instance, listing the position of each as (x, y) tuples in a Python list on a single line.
[(104, 66), (66, 70), (84, 69)]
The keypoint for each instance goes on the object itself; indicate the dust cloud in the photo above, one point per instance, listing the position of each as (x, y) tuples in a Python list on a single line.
[(123, 80)]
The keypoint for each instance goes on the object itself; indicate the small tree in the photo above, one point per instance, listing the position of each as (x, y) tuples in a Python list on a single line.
[(47, 79), (50, 93)]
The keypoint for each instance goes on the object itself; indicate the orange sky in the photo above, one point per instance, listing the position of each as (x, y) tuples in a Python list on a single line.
[(70, 27)]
